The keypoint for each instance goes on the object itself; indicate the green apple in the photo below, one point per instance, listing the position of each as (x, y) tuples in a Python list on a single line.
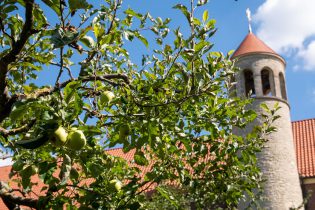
[(76, 139), (60, 136), (106, 97), (116, 184)]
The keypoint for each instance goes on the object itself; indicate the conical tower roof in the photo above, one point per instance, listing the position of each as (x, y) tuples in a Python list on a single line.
[(252, 44)]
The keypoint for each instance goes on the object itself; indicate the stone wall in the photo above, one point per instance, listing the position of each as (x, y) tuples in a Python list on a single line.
[(282, 189)]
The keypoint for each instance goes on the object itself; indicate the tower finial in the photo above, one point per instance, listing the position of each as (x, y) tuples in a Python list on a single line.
[(249, 18)]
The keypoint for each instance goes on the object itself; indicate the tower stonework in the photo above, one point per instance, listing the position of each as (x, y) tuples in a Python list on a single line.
[(262, 77)]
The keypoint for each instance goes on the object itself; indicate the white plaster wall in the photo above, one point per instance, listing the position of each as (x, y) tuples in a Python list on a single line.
[(282, 189)]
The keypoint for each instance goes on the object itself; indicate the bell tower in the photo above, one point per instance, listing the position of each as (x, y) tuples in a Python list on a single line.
[(262, 77)]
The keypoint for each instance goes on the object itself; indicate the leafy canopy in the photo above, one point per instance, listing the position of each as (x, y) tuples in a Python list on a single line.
[(171, 108)]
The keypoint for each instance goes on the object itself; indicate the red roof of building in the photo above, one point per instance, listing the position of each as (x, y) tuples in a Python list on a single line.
[(304, 140), (252, 44)]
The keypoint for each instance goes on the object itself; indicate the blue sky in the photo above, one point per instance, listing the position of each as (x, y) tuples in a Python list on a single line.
[(287, 26)]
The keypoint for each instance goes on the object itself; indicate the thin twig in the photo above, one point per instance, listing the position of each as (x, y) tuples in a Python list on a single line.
[(112, 22), (5, 33), (15, 131), (66, 67), (61, 67), (172, 64)]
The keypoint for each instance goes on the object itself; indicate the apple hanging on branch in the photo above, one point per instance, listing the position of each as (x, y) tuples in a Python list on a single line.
[(60, 136), (76, 139)]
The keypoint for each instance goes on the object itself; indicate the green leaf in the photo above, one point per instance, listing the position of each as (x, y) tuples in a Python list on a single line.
[(18, 165), (184, 10), (33, 143), (166, 195), (39, 17), (99, 30), (18, 111), (88, 41), (54, 5), (61, 37), (202, 2), (95, 169), (197, 21), (9, 9), (26, 176), (230, 53), (265, 107), (211, 23), (140, 159), (78, 4), (74, 174), (142, 39), (64, 174), (205, 16), (70, 90), (131, 12)]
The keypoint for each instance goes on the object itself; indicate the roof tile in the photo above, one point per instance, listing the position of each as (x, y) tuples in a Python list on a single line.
[(304, 140)]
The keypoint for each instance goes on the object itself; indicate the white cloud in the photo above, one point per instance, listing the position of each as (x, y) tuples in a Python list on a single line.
[(308, 54), (288, 27)]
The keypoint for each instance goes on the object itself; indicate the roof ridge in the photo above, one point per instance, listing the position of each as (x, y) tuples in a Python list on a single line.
[(307, 119)]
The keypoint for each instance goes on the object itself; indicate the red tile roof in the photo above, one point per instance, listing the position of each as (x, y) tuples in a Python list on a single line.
[(252, 44), (4, 176), (304, 140)]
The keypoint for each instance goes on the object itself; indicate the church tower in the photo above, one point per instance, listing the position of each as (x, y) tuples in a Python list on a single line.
[(262, 77)]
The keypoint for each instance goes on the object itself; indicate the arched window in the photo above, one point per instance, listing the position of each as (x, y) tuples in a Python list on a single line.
[(282, 86), (249, 83), (266, 82)]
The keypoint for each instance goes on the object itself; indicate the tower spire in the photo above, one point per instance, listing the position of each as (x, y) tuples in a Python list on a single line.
[(249, 18)]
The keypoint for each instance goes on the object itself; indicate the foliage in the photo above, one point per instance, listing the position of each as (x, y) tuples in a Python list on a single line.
[(172, 108)]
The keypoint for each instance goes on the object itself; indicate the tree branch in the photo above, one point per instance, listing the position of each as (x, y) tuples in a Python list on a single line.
[(15, 131), (27, 31), (12, 200)]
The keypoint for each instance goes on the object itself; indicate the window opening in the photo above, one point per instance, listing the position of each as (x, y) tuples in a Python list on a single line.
[(282, 87), (249, 83), (265, 80)]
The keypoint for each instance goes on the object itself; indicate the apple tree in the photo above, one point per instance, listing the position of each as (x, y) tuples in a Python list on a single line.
[(71, 87)]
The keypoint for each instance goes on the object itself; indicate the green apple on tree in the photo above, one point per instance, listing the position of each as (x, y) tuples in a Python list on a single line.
[(60, 136), (116, 184), (76, 139), (106, 97)]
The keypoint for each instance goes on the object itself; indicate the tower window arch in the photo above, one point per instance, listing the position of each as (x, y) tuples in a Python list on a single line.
[(267, 82), (249, 83), (282, 86)]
